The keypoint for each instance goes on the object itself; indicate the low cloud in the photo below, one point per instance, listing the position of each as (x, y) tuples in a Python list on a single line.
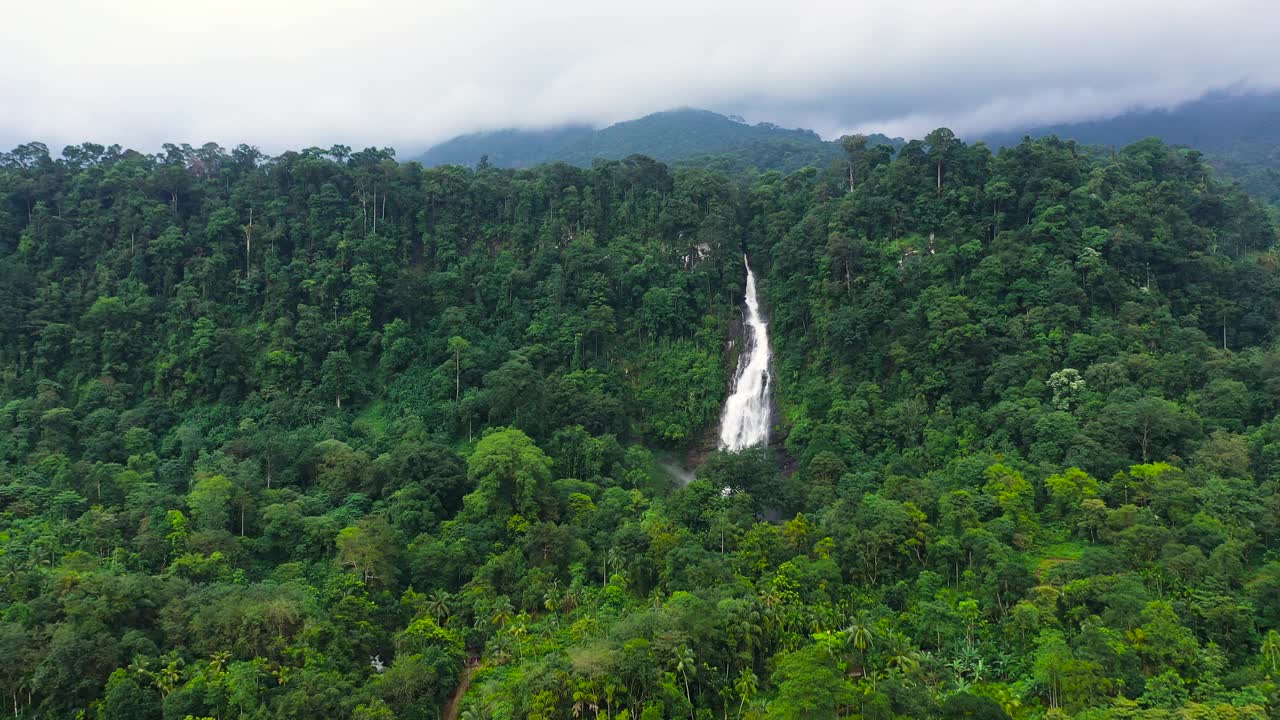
[(283, 74)]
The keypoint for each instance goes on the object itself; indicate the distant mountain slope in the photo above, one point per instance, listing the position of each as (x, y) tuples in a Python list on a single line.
[(508, 148), (1214, 123), (698, 137), (1240, 134)]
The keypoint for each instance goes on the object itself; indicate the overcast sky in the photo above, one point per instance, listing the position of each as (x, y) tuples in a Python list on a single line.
[(286, 74)]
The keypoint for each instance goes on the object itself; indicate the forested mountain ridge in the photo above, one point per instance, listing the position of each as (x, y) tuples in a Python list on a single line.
[(1240, 132), (293, 437), (686, 137), (1237, 131)]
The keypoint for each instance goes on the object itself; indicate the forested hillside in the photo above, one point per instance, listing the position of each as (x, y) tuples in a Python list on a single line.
[(325, 435), (698, 138), (1239, 132)]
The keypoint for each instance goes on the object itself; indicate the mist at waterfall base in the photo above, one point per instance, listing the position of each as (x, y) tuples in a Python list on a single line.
[(744, 422)]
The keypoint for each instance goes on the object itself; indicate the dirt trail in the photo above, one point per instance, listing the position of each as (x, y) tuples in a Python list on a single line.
[(451, 707)]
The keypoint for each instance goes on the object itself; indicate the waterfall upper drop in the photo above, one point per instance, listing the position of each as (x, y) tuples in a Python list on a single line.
[(744, 422)]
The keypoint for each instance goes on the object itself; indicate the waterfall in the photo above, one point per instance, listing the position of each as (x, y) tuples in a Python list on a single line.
[(744, 422)]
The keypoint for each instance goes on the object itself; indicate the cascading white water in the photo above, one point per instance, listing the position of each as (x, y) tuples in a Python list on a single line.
[(744, 422)]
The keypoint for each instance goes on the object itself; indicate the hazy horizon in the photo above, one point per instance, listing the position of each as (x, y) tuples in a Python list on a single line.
[(408, 76)]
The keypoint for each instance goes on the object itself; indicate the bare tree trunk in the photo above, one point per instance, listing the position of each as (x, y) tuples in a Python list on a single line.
[(248, 241)]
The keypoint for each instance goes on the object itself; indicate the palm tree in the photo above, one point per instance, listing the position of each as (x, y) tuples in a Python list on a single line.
[(500, 649), (551, 601), (746, 685), (1271, 649), (502, 611), (440, 605), (166, 678), (586, 697), (771, 601), (861, 635), (611, 688), (685, 666), (900, 654), (478, 712), (612, 559), (520, 626), (821, 618), (551, 598), (745, 628), (569, 600)]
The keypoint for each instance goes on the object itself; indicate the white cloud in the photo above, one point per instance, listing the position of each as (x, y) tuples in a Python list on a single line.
[(283, 73)]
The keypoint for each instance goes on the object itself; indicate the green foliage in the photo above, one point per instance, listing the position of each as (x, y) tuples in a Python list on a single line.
[(810, 686), (680, 392), (1233, 129), (392, 447), (510, 473)]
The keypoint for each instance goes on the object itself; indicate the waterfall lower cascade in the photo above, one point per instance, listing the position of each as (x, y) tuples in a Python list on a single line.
[(744, 422)]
